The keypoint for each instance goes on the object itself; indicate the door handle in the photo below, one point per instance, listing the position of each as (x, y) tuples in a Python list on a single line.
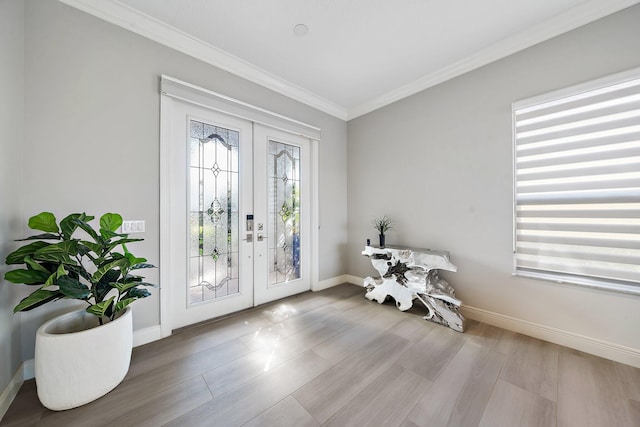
[(261, 237), (249, 238)]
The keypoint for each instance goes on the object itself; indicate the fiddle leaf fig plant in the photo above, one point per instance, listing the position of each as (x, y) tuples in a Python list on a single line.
[(96, 267)]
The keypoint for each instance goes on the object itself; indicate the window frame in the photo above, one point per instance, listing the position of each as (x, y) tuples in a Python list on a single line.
[(621, 286)]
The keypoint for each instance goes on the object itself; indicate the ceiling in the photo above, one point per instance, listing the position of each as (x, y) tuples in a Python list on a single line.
[(358, 55)]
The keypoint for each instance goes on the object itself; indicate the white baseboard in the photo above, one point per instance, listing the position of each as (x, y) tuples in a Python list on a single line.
[(147, 335), (608, 350), (10, 392), (338, 280), (29, 369), (329, 283), (24, 372), (354, 280)]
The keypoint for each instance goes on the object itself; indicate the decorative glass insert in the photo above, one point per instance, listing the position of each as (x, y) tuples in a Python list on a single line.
[(284, 212), (213, 212)]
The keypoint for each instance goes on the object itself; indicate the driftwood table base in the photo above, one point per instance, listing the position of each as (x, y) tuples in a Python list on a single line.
[(412, 274)]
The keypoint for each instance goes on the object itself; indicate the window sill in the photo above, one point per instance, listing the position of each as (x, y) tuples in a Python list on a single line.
[(619, 287)]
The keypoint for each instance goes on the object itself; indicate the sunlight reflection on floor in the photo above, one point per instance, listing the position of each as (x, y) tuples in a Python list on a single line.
[(283, 311)]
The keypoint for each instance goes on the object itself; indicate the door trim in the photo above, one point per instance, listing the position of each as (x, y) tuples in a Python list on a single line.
[(173, 90), (186, 92)]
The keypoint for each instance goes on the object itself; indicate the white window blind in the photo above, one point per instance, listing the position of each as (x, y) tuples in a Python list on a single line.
[(577, 184)]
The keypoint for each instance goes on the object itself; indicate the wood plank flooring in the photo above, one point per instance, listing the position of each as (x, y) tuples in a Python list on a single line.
[(334, 358)]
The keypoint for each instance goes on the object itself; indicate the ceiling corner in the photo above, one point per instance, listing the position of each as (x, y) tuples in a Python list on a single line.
[(130, 19), (559, 24)]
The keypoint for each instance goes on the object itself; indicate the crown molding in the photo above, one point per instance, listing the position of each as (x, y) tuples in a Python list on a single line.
[(130, 19), (123, 16), (559, 24)]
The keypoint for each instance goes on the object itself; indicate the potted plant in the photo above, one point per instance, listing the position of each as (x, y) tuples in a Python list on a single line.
[(383, 225), (82, 355)]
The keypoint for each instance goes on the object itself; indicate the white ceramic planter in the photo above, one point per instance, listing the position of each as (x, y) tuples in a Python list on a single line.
[(75, 365)]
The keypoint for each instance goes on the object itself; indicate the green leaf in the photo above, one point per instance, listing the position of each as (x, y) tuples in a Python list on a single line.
[(28, 277), (104, 285), (122, 287), (152, 285), (94, 247), (118, 263), (78, 271), (50, 280), (137, 293), (120, 305), (109, 311), (34, 265), (142, 265), (72, 288), (99, 261), (37, 299), (44, 221), (69, 224), (58, 252), (17, 256), (61, 271), (101, 308), (137, 279), (110, 222), (56, 275), (45, 236), (84, 251), (108, 235), (56, 258), (133, 260), (84, 225), (68, 247), (115, 244)]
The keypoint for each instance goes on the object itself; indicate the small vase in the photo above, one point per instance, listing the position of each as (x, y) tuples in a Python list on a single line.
[(381, 236)]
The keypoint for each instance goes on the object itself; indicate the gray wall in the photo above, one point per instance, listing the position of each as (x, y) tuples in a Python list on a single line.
[(11, 124), (92, 133), (440, 164)]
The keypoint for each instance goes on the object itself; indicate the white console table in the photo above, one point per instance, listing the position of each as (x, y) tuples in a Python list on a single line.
[(407, 274)]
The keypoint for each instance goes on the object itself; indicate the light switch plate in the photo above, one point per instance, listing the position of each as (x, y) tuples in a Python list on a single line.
[(135, 226)]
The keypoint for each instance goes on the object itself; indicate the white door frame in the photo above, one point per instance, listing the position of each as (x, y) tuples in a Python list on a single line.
[(174, 89)]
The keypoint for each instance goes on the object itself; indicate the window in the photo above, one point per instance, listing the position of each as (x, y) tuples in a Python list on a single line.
[(577, 184)]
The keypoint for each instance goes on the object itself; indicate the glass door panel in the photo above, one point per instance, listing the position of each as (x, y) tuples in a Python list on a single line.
[(284, 212), (281, 202), (211, 183), (213, 222)]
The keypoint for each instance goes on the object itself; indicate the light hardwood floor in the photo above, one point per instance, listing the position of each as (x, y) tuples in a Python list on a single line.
[(335, 358)]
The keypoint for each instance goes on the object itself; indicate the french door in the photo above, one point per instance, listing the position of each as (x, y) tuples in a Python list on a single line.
[(281, 200), (239, 214)]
